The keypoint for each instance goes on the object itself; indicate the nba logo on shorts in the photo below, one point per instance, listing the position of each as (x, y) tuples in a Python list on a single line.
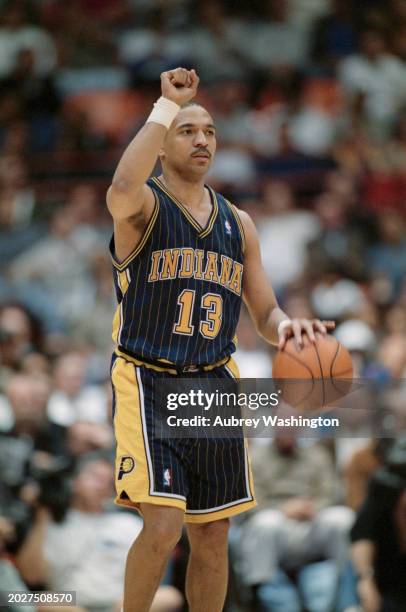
[(167, 477), (127, 464), (227, 226)]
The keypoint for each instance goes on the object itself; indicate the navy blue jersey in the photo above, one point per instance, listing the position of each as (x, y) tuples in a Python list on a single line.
[(179, 292)]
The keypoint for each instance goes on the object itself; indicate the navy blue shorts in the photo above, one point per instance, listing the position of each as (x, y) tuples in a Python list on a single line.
[(208, 478)]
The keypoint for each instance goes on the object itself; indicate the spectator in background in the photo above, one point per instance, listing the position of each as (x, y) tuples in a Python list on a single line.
[(252, 355), (392, 355), (284, 233), (215, 40), (275, 42), (18, 230), (389, 157), (362, 465), (84, 200), (334, 36), (39, 100), (357, 337), (339, 246), (84, 437), (91, 227), (233, 165), (94, 326), (384, 170), (296, 523), (399, 39), (10, 579), (306, 12), (77, 134), (311, 131), (375, 82), (379, 537), (61, 296), (395, 320), (20, 334), (148, 51), (110, 13), (231, 113), (28, 400), (287, 125), (342, 185), (94, 540), (31, 447), (17, 32), (297, 301), (81, 40), (72, 399), (388, 256)]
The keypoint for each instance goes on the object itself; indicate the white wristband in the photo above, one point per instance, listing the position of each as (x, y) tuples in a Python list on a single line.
[(282, 325), (164, 112)]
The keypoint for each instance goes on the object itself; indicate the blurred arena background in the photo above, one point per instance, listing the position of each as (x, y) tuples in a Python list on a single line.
[(309, 98)]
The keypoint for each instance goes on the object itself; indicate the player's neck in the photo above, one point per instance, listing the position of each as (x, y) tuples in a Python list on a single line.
[(190, 192)]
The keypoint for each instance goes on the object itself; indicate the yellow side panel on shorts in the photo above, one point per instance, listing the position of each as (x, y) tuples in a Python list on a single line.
[(233, 367), (129, 431)]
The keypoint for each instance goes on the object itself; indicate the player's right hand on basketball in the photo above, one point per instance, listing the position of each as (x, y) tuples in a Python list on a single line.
[(179, 85)]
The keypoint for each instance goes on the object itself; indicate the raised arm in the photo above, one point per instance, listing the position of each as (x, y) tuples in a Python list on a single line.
[(271, 322), (129, 200), (127, 192)]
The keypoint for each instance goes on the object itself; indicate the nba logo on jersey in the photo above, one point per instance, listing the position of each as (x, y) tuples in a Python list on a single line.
[(227, 225), (167, 477)]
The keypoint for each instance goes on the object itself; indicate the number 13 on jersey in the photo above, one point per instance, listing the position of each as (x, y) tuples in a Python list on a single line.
[(209, 326)]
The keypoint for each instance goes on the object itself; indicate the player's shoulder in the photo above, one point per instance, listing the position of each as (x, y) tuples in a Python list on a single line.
[(239, 215), (247, 224), (242, 215)]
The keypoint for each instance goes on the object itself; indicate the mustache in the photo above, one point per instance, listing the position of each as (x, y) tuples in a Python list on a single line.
[(200, 152)]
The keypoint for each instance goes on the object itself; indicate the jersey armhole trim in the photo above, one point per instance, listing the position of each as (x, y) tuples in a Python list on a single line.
[(121, 266), (239, 223)]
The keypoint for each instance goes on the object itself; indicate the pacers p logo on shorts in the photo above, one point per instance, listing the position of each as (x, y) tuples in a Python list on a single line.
[(127, 464)]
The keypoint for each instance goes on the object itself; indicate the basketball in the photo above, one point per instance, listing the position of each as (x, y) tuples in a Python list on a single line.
[(318, 374)]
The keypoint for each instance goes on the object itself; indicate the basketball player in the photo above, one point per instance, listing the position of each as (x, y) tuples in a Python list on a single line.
[(184, 259)]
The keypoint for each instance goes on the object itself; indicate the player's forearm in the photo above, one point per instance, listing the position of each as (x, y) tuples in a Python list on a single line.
[(126, 195), (269, 328), (139, 159)]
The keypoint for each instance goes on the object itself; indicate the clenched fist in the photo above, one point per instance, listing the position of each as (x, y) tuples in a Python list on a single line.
[(179, 85)]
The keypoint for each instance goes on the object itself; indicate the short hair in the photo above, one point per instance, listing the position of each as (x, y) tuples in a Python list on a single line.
[(193, 103)]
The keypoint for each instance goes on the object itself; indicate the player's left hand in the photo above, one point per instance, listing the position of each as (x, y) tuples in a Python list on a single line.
[(297, 328)]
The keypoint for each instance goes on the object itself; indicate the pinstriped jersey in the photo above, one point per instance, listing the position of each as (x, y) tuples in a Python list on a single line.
[(179, 292)]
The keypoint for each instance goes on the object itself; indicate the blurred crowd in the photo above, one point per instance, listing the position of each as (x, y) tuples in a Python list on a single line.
[(309, 99)]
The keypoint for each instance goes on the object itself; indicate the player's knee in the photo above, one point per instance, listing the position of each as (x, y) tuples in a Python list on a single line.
[(163, 529), (162, 537), (209, 535)]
